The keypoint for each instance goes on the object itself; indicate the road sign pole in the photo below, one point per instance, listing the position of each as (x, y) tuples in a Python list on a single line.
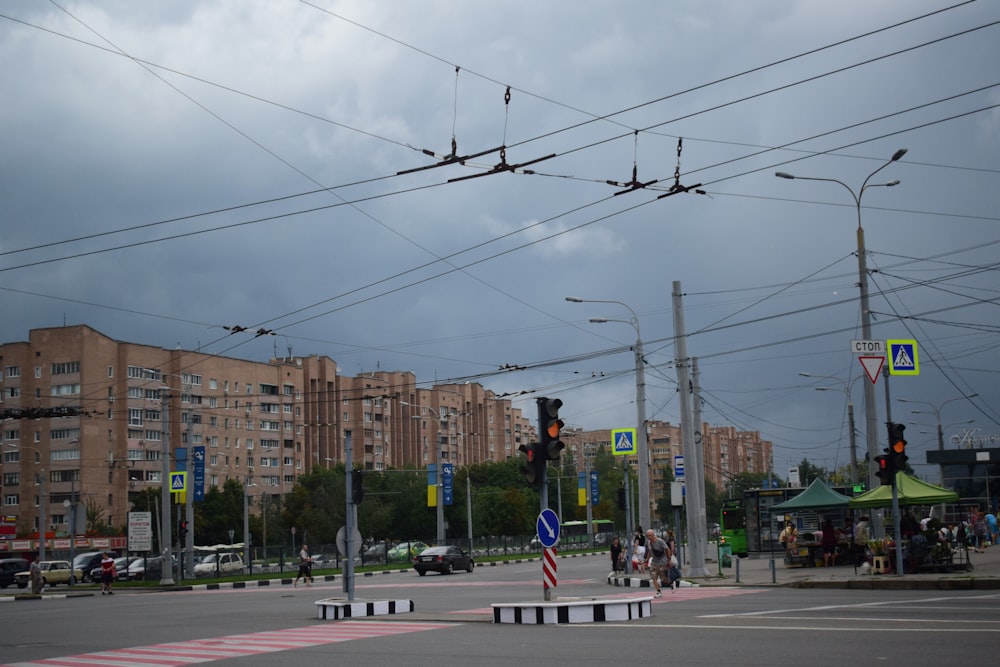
[(549, 579)]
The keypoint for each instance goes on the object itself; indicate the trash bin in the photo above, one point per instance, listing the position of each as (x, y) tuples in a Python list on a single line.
[(725, 555)]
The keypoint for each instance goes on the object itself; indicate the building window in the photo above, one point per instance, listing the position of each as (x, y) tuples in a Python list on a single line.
[(11, 478), (13, 371), (65, 389), (11, 499), (69, 367)]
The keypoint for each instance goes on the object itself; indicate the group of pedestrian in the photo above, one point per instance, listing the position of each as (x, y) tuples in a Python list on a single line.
[(651, 554)]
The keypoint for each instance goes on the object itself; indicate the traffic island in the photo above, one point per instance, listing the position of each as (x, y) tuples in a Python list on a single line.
[(335, 609), (573, 610)]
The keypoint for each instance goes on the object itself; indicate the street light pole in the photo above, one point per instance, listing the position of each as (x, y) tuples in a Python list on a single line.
[(936, 411), (871, 418), (642, 445), (438, 479), (846, 386)]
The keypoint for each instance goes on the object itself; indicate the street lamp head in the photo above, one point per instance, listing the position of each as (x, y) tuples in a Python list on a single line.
[(574, 299), (893, 183), (784, 174), (898, 154), (598, 320)]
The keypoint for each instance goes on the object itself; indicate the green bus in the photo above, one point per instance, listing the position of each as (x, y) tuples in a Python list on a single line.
[(574, 533), (733, 525)]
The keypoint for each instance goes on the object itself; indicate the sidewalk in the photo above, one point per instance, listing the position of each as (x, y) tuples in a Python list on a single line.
[(754, 571)]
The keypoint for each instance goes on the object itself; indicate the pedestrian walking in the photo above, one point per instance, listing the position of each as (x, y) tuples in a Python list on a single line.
[(659, 562), (305, 567), (107, 574)]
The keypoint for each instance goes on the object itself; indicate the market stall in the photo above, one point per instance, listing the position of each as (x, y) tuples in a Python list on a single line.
[(807, 551), (923, 551)]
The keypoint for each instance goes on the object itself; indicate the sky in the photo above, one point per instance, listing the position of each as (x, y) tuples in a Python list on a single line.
[(172, 169)]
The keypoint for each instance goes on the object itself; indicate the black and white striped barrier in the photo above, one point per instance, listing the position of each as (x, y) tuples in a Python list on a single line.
[(334, 610), (583, 610)]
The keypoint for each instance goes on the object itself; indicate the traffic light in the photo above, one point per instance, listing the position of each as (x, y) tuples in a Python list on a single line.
[(534, 464), (182, 531), (549, 426), (884, 472), (621, 498), (897, 446), (357, 486)]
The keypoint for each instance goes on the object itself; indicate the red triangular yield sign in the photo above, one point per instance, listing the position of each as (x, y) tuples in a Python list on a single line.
[(872, 366)]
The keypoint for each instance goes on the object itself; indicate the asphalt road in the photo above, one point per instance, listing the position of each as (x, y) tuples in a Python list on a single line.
[(276, 626)]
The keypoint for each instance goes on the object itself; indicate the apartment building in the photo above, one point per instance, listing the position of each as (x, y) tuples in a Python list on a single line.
[(127, 405), (726, 452)]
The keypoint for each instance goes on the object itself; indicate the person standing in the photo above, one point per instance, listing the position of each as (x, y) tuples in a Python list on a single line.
[(788, 537), (305, 567), (829, 542), (991, 524), (107, 574), (616, 556), (659, 561)]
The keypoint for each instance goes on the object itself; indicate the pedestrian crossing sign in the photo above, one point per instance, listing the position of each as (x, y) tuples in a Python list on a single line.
[(903, 357), (178, 482), (623, 441)]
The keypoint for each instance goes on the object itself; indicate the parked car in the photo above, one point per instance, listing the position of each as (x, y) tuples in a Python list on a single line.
[(406, 551), (53, 572), (88, 560), (443, 559), (219, 565), (9, 567), (375, 553), (121, 569), (149, 568)]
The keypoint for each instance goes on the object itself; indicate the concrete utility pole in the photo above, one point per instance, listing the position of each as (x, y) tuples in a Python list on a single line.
[(165, 529), (694, 472)]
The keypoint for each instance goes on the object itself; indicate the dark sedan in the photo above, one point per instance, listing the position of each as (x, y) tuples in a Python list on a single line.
[(443, 559)]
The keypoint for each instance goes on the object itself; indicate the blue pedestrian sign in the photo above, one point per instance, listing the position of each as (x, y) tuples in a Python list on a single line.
[(595, 493), (178, 482), (623, 441), (447, 483), (903, 357), (548, 528)]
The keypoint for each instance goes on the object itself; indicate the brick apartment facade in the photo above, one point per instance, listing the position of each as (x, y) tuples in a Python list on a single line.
[(261, 423)]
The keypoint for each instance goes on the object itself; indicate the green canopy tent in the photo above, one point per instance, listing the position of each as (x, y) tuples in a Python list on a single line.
[(817, 495), (911, 491)]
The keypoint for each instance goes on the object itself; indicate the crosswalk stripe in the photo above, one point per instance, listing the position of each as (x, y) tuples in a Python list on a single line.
[(178, 654)]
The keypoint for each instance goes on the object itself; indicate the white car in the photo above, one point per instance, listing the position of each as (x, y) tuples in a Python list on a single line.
[(219, 565)]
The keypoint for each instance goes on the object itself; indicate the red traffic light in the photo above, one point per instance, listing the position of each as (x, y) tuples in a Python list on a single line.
[(884, 472)]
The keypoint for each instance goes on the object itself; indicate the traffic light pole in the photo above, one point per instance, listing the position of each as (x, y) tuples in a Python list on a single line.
[(895, 472)]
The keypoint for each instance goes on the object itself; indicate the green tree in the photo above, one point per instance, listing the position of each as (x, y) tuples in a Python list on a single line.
[(220, 512), (809, 473)]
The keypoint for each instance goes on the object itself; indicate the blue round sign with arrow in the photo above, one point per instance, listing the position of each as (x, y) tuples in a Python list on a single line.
[(548, 528)]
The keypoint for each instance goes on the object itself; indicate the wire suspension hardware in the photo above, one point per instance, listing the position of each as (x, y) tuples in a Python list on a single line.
[(453, 157), (634, 184), (677, 187), (503, 165)]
